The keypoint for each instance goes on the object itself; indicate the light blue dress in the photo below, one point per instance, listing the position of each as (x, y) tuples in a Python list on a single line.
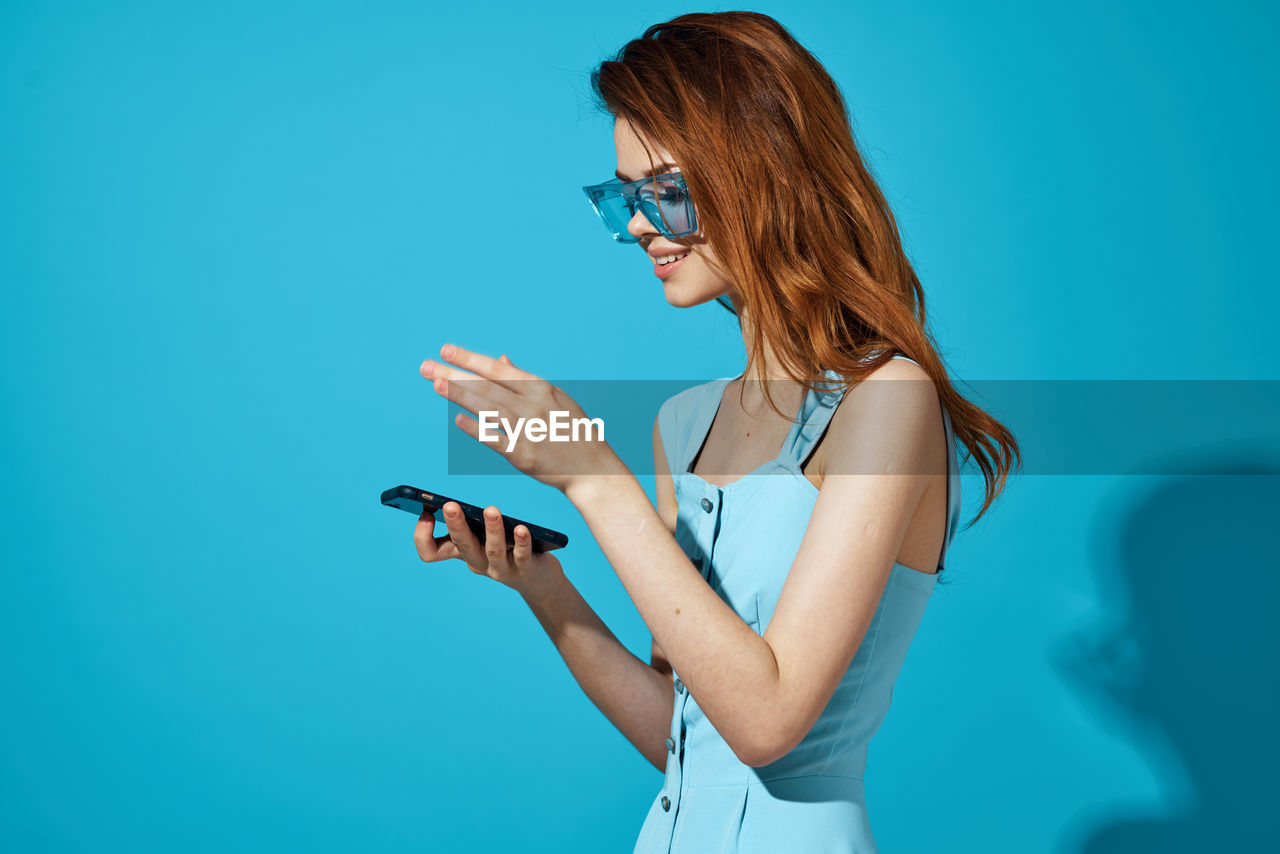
[(810, 800)]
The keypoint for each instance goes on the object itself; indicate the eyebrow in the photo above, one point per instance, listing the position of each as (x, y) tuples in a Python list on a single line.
[(657, 170)]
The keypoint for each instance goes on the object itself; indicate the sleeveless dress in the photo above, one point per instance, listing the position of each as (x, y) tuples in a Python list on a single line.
[(811, 799)]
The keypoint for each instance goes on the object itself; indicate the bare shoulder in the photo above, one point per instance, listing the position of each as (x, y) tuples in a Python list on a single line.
[(885, 423), (896, 392), (900, 369)]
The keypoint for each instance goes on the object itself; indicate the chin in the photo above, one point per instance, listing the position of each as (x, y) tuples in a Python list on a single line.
[(685, 297), (691, 291)]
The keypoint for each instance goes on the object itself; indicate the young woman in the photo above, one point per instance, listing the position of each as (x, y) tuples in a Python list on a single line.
[(789, 559)]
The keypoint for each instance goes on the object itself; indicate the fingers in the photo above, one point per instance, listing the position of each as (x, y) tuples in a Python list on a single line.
[(471, 427), (460, 534), (495, 538), (502, 372), (431, 548), (522, 553), (468, 390), (475, 395)]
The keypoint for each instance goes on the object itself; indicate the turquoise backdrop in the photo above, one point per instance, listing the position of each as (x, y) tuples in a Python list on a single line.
[(229, 234)]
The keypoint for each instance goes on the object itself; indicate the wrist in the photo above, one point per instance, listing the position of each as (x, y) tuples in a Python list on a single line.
[(539, 596), (583, 490)]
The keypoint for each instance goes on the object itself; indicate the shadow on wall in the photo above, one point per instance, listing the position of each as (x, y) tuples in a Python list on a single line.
[(1186, 670)]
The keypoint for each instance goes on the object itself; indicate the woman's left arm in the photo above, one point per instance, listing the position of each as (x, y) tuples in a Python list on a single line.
[(762, 693)]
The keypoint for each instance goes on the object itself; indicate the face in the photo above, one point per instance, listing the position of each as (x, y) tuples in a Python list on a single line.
[(690, 281)]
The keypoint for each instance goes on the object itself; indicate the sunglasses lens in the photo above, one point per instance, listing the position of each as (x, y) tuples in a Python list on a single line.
[(667, 205), (616, 212)]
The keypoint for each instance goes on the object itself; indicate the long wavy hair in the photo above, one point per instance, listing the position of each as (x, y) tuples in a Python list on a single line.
[(764, 142)]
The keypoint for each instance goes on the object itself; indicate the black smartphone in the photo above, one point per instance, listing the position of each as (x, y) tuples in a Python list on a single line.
[(416, 501)]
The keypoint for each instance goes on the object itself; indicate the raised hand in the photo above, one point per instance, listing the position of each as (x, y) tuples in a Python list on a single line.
[(506, 394)]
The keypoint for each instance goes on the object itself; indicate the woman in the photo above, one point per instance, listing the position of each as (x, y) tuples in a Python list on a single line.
[(788, 561)]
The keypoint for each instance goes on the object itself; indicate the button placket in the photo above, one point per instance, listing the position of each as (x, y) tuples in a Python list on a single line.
[(708, 531), (705, 531), (674, 783)]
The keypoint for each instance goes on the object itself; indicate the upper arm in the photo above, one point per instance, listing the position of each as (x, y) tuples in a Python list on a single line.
[(878, 443), (664, 484), (664, 490)]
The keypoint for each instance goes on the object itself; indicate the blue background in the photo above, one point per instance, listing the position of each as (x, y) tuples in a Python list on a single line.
[(229, 234)]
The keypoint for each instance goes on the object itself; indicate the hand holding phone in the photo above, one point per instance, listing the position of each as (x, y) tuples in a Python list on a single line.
[(418, 501), (526, 566)]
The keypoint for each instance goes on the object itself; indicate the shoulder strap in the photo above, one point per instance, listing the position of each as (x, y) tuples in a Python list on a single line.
[(813, 419), (815, 416)]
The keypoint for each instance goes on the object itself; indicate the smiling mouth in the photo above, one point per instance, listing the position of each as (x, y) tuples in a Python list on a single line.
[(667, 260), (663, 271)]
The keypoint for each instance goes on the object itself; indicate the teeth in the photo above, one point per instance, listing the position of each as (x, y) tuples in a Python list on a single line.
[(667, 259)]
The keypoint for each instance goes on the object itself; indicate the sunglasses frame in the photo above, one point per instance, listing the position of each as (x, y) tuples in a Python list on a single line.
[(630, 190)]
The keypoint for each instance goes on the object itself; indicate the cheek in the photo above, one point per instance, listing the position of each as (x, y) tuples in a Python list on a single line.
[(705, 270), (695, 284)]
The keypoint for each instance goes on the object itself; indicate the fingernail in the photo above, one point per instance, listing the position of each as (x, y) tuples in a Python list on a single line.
[(447, 351)]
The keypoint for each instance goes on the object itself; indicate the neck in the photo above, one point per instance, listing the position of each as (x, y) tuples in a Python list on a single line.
[(766, 369)]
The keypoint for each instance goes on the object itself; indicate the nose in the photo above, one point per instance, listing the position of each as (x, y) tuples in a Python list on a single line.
[(639, 225)]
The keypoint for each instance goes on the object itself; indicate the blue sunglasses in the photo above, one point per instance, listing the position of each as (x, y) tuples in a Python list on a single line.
[(663, 199)]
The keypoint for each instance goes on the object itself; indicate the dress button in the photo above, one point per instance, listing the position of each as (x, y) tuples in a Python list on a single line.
[(679, 687), (666, 804), (671, 744), (707, 505)]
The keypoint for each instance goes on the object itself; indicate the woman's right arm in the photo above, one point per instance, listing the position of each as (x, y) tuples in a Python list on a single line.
[(637, 698)]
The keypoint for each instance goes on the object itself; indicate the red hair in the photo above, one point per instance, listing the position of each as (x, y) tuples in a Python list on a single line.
[(762, 136)]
